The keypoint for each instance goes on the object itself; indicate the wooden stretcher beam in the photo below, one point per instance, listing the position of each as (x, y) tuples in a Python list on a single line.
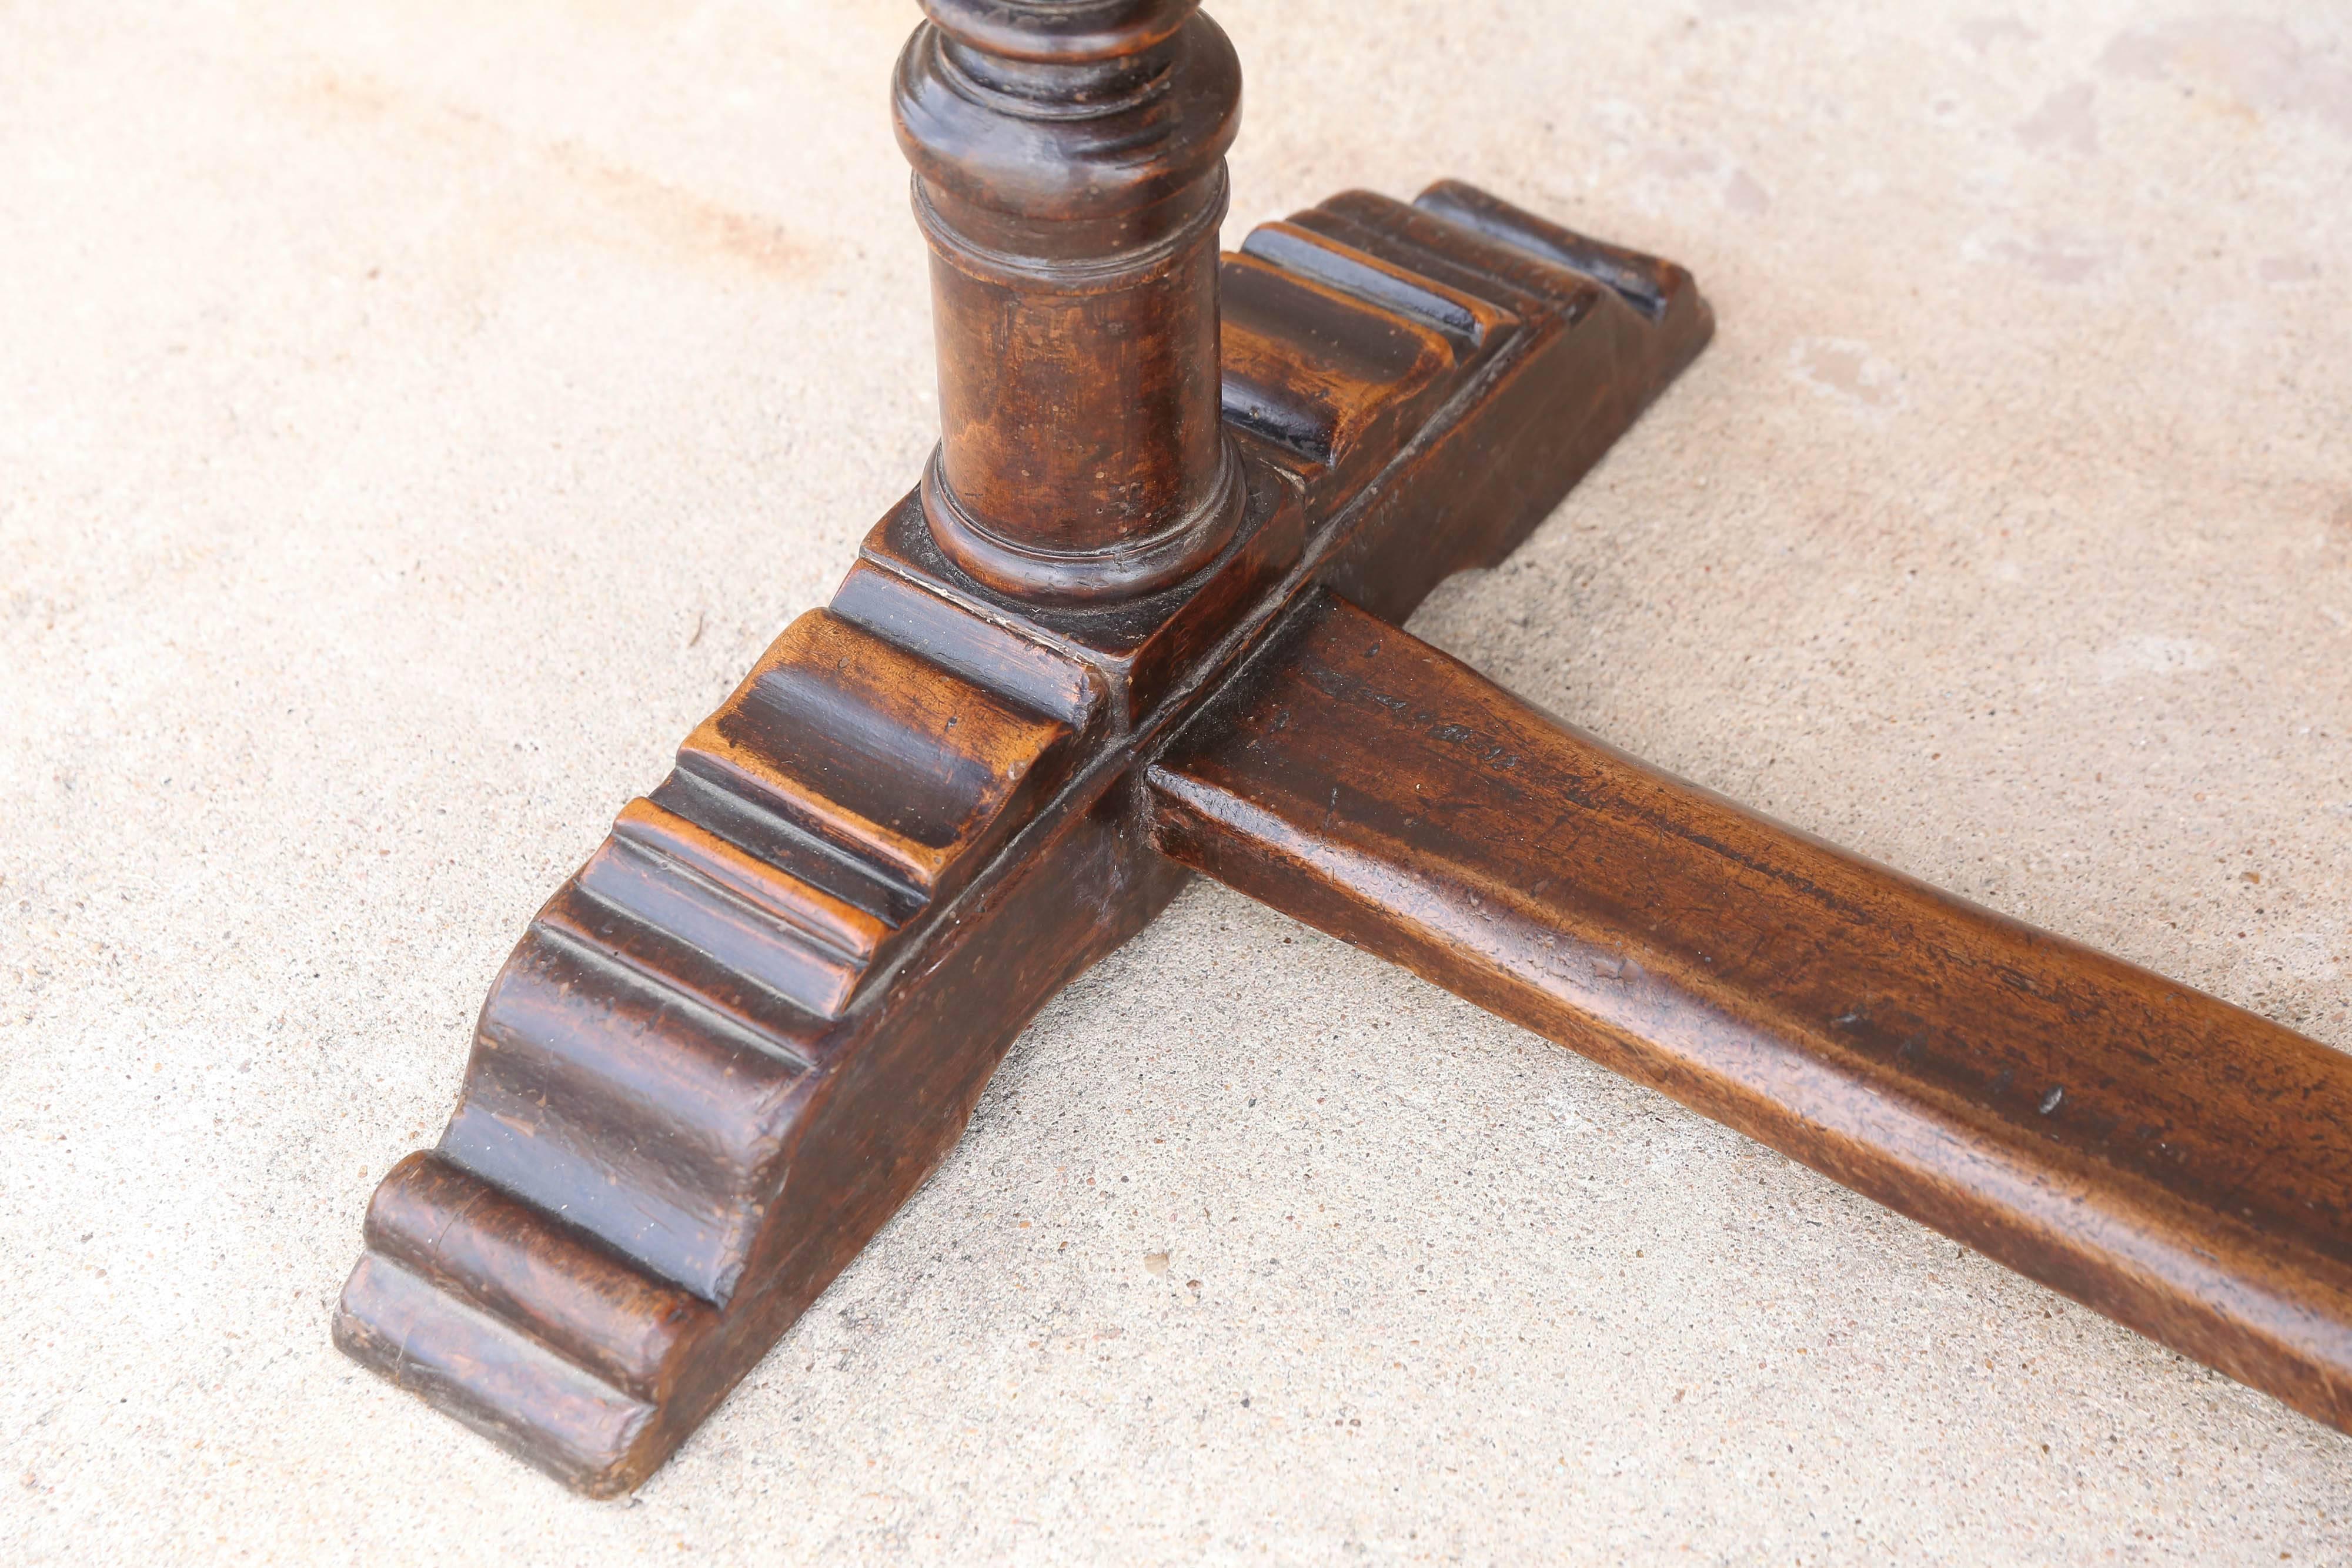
[(2176, 1162)]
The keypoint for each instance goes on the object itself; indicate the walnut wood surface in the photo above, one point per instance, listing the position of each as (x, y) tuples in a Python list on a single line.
[(2172, 1161), (741, 1036), (1069, 178), (1133, 621)]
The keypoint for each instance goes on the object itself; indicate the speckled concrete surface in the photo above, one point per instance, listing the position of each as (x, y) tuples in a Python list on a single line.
[(413, 416)]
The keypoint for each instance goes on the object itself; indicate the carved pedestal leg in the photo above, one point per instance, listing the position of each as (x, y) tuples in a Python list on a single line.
[(741, 1036)]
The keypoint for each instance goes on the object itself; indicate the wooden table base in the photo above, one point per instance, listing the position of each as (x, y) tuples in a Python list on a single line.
[(739, 1038), (2174, 1162), (1136, 621)]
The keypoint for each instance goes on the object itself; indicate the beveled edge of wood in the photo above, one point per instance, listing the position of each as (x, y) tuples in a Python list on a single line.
[(739, 1037)]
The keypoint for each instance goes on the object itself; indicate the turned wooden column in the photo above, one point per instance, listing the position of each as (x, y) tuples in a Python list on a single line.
[(1069, 178)]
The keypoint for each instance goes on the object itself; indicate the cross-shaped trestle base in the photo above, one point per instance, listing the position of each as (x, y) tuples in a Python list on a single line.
[(1140, 621)]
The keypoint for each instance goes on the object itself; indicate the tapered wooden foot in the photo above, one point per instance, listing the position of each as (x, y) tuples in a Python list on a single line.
[(742, 1035), (2176, 1162)]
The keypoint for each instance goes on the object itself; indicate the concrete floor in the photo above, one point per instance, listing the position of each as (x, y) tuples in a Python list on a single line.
[(413, 415)]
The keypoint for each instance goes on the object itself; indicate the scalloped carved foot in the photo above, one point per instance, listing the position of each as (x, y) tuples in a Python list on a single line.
[(744, 1033)]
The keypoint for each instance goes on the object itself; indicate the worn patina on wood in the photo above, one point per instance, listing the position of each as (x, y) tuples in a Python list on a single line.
[(2177, 1163), (1135, 621)]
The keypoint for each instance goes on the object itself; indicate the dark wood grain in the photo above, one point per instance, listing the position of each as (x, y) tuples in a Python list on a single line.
[(1133, 621), (742, 1035), (1069, 178), (2174, 1162)]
